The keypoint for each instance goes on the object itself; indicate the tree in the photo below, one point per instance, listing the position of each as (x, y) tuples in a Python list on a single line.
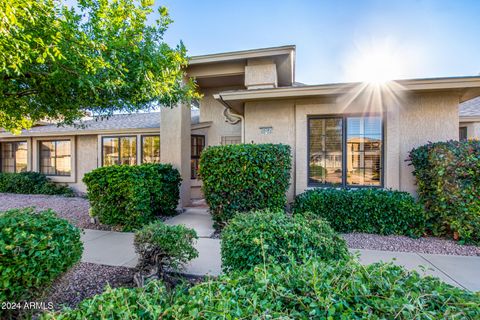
[(58, 62)]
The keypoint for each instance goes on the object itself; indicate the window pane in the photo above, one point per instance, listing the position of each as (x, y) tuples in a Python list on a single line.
[(47, 157), (364, 151), (21, 157), (8, 160), (63, 158), (463, 133), (128, 150), (325, 151), (197, 145), (110, 154), (151, 149)]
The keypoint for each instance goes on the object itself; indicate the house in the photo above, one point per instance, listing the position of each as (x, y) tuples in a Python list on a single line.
[(470, 119), (345, 134)]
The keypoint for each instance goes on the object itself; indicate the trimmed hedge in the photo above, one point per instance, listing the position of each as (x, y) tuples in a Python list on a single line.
[(31, 183), (162, 247), (35, 248), (448, 181), (273, 237), (315, 290), (131, 196), (364, 210), (244, 177)]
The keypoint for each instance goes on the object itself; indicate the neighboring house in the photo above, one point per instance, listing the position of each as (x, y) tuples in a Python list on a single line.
[(469, 113), (349, 134)]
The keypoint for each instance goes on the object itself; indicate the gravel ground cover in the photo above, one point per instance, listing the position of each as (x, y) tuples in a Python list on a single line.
[(405, 244)]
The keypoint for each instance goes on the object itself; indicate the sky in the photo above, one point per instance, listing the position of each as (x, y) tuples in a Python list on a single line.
[(339, 40)]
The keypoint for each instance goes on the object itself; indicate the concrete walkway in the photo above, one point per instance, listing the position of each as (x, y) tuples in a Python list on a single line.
[(116, 249)]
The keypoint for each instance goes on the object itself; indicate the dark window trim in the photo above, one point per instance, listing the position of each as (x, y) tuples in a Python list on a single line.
[(192, 157), (40, 157), (141, 145), (14, 154), (344, 117), (119, 147)]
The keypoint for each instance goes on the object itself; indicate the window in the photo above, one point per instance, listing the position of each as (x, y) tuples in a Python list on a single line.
[(463, 133), (345, 151), (197, 145), (55, 158), (150, 149), (226, 140), (13, 157), (119, 150)]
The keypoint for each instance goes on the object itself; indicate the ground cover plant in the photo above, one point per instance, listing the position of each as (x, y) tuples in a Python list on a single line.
[(448, 182), (131, 196), (376, 211), (244, 177), (322, 290), (274, 237), (31, 183), (35, 249)]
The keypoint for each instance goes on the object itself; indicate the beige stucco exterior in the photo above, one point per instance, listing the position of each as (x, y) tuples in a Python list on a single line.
[(251, 96)]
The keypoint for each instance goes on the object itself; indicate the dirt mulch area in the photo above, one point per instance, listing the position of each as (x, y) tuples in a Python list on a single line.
[(73, 209), (430, 245)]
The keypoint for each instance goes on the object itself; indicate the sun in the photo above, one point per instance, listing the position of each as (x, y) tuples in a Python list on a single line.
[(375, 64)]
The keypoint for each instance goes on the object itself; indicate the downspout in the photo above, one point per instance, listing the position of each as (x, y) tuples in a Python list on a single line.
[(228, 114)]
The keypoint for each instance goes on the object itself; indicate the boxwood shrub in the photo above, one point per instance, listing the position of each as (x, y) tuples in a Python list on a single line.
[(31, 183), (364, 210), (244, 177), (131, 196), (35, 248), (273, 237), (163, 248), (448, 182), (315, 290)]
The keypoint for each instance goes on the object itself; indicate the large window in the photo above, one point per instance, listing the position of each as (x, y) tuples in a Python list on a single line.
[(345, 151), (151, 149), (119, 150), (55, 158), (13, 156), (197, 145)]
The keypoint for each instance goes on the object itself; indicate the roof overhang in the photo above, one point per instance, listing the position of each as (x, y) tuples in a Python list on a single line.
[(466, 87), (469, 119)]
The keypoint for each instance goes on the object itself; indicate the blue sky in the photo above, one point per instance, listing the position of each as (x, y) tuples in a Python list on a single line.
[(422, 38)]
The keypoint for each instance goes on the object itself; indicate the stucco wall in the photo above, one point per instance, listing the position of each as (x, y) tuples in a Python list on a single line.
[(86, 160), (212, 110)]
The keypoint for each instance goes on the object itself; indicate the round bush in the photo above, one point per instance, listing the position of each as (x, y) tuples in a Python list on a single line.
[(364, 210), (316, 290), (35, 248), (244, 177), (273, 237)]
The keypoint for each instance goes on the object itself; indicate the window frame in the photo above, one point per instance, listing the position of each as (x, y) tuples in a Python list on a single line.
[(192, 157), (344, 117), (39, 143), (2, 143), (102, 160), (141, 147)]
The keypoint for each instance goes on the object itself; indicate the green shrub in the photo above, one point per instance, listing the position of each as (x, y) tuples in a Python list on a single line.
[(31, 183), (244, 177), (35, 248), (251, 238), (364, 210), (448, 182), (161, 247), (130, 196), (315, 290)]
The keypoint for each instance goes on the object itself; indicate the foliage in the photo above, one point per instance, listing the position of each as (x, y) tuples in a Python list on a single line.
[(244, 177), (35, 248), (31, 183), (448, 181), (161, 247), (315, 290), (364, 210), (130, 196), (273, 237), (100, 55)]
